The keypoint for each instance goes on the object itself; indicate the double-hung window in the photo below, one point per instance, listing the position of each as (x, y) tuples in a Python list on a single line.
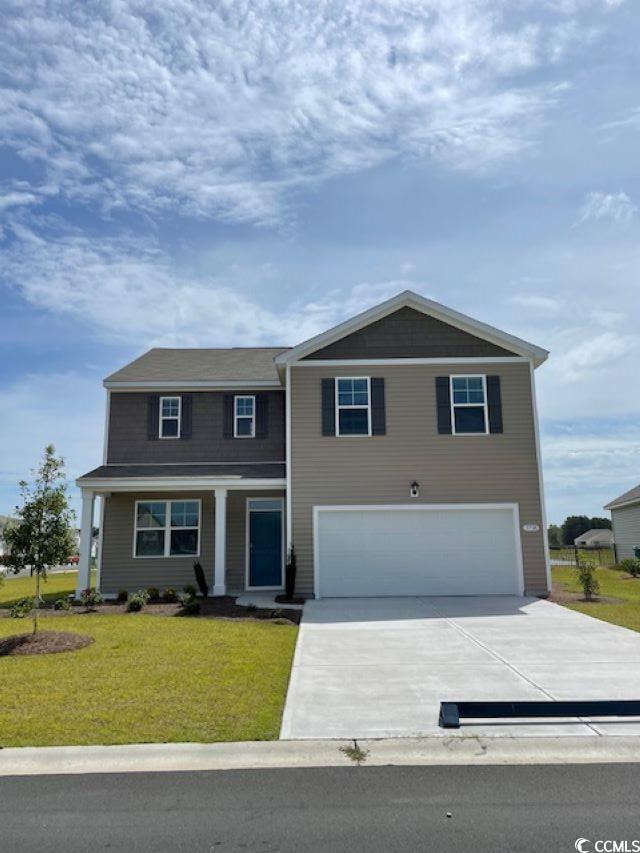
[(353, 406), (469, 405), (167, 529), (170, 412), (244, 417)]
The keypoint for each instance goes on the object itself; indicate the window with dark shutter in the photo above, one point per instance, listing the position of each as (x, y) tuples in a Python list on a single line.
[(494, 404), (185, 431), (443, 405), (153, 416), (227, 416), (328, 407), (378, 413), (262, 415)]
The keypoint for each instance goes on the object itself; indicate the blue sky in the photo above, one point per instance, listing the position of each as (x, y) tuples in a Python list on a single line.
[(188, 173)]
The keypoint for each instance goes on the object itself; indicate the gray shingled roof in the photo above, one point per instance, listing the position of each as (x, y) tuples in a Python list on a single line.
[(186, 365), (631, 496), (256, 470), (598, 534)]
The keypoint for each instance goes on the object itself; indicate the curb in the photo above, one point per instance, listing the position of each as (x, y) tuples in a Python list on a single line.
[(430, 751)]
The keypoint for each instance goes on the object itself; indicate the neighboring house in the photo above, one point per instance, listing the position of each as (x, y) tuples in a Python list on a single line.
[(625, 516), (398, 452), (597, 537)]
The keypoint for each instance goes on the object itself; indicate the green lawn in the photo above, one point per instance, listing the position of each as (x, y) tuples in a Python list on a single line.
[(613, 584), (57, 585), (145, 679)]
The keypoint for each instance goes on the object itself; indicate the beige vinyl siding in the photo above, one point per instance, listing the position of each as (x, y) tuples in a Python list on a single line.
[(121, 570), (496, 468), (626, 530), (237, 535)]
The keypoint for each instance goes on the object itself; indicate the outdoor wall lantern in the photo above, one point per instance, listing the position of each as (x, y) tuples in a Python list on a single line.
[(414, 490)]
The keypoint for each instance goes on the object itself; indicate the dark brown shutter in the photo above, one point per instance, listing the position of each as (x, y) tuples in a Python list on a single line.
[(262, 415), (227, 416), (153, 416), (494, 403), (378, 414), (328, 406), (186, 407), (443, 404)]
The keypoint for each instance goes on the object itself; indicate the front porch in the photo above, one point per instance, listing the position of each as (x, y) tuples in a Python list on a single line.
[(153, 531)]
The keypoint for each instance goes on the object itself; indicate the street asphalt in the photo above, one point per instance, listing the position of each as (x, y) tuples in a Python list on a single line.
[(359, 808)]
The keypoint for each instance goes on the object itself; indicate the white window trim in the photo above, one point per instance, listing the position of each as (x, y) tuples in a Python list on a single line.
[(338, 406), (248, 511), (167, 530), (163, 418), (468, 405), (236, 416)]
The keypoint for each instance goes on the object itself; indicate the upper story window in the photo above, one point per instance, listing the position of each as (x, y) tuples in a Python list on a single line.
[(353, 406), (170, 413), (244, 417), (167, 529), (469, 405)]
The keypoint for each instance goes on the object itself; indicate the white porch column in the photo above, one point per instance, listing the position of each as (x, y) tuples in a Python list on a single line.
[(220, 551), (86, 531)]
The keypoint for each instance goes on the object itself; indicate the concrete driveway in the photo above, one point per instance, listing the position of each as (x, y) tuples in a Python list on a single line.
[(379, 667)]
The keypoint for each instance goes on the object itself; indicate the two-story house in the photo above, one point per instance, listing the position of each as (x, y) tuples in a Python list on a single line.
[(397, 452)]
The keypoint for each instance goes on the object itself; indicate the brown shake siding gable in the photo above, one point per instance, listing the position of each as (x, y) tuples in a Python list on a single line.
[(408, 333), (495, 468)]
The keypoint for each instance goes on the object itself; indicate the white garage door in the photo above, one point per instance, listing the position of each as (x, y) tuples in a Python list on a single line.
[(426, 550)]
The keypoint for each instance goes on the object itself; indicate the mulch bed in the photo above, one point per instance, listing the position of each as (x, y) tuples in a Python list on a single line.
[(43, 643), (223, 607), (561, 596)]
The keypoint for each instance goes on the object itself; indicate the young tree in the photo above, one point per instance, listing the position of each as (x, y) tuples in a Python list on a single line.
[(41, 534)]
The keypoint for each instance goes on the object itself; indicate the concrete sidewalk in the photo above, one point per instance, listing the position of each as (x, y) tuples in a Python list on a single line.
[(431, 751)]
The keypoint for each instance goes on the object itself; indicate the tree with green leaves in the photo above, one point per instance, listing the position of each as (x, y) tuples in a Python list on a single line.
[(554, 534), (598, 523), (41, 534), (574, 526)]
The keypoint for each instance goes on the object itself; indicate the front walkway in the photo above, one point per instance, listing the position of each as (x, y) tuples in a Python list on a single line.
[(377, 668)]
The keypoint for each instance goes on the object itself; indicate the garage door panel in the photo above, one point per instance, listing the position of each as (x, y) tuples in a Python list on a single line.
[(416, 551)]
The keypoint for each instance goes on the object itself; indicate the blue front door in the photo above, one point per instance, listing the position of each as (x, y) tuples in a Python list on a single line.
[(265, 545)]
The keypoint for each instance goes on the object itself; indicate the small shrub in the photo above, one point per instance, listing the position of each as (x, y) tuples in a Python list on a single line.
[(277, 613), (251, 608), (190, 589), (90, 599), (631, 566), (170, 595), (154, 593), (137, 600), (586, 572), (190, 604), (21, 607), (122, 596), (62, 604)]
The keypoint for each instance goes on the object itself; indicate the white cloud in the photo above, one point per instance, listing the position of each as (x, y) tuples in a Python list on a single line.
[(585, 470), (544, 305), (129, 290), (16, 199), (226, 109), (597, 351), (614, 207)]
